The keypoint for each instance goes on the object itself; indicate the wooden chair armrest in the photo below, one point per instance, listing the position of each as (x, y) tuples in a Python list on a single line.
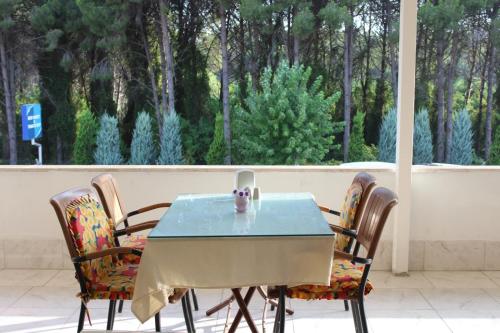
[(148, 208), (107, 252), (346, 232), (136, 227), (347, 256), (328, 210)]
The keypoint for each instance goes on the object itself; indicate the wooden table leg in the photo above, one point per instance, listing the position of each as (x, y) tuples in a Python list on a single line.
[(243, 311)]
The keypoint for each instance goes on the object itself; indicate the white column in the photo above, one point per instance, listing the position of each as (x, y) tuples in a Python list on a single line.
[(404, 149)]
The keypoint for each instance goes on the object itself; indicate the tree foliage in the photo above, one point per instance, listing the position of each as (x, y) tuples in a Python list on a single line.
[(495, 149), (113, 55), (359, 151), (85, 141), (171, 143), (108, 142), (218, 147), (422, 138), (288, 121), (142, 150), (387, 137), (461, 148)]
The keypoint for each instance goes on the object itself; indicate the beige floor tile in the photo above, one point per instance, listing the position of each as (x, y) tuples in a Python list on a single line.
[(64, 278), (396, 299), (34, 320), (495, 293), (415, 321), (471, 321), (9, 295), (381, 279), (494, 276), (324, 321), (26, 277), (48, 297), (460, 299), (459, 279)]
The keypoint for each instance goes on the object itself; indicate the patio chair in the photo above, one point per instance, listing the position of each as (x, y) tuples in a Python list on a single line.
[(349, 279), (351, 211), (108, 191), (100, 270)]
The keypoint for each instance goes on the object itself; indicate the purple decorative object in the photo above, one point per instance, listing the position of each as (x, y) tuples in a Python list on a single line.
[(241, 199)]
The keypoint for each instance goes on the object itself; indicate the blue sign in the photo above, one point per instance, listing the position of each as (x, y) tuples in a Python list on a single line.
[(31, 116)]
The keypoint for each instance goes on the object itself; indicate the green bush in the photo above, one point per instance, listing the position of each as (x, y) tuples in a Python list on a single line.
[(85, 140), (286, 121), (461, 140), (171, 143), (422, 139), (142, 149), (218, 149), (495, 149), (108, 142), (359, 151), (387, 137)]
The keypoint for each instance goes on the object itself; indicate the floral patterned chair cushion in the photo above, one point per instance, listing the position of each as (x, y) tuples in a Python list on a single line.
[(135, 241), (91, 231), (117, 284), (347, 214), (344, 284)]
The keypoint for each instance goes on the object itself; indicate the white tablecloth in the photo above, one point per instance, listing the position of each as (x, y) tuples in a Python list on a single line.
[(227, 262)]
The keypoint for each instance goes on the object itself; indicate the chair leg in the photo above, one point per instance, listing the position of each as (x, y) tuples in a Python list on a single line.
[(195, 300), (362, 315), (219, 306), (186, 316), (111, 315), (190, 312), (81, 319), (120, 306), (282, 309), (355, 316), (279, 323), (157, 322), (346, 305)]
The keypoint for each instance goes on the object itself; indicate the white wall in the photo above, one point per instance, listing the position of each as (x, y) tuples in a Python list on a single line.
[(455, 211)]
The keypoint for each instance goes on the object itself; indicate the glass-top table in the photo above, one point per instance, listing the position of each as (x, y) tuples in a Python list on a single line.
[(214, 215), (283, 239)]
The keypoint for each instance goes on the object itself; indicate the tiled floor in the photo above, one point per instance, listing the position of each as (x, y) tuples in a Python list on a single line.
[(430, 302)]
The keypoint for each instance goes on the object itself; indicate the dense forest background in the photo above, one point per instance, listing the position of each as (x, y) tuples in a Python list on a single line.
[(245, 82)]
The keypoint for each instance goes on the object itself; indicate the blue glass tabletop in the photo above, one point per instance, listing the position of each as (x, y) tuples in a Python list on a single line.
[(214, 215)]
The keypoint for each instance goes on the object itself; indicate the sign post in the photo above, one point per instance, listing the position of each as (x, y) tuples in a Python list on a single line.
[(31, 116)]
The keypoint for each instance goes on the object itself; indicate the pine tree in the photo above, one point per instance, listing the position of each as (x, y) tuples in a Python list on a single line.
[(462, 141), (422, 139), (171, 143), (142, 150), (218, 147), (85, 141), (108, 142), (288, 121), (387, 138), (495, 149), (358, 150)]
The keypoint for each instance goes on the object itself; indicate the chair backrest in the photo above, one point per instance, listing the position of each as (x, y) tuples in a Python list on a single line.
[(86, 228), (108, 191), (378, 207), (353, 206)]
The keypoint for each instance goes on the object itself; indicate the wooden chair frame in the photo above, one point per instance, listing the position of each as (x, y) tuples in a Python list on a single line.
[(109, 193), (59, 202), (379, 205), (367, 183)]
